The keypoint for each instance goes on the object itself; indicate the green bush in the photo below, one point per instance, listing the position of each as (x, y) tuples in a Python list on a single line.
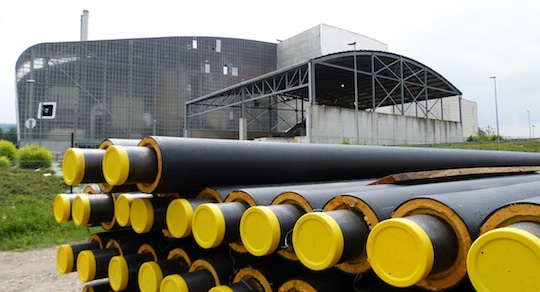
[(34, 156), (4, 162), (8, 150)]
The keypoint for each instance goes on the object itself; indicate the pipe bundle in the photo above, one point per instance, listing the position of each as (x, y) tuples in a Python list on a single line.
[(185, 214)]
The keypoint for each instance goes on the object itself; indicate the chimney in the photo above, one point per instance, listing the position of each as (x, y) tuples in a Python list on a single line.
[(84, 25)]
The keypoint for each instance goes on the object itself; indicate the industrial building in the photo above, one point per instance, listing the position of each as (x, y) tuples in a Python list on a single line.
[(324, 85)]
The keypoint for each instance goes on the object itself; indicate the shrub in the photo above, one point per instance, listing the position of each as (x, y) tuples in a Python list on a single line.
[(34, 156), (8, 150), (4, 162)]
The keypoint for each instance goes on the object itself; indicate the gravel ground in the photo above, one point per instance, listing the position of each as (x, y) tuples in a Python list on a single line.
[(34, 271)]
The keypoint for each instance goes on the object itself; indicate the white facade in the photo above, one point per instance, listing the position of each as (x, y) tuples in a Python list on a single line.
[(322, 40)]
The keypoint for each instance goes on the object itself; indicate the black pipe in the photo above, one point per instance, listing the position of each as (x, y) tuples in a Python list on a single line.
[(122, 207), (372, 206), (98, 286), (327, 281), (129, 165), (462, 211), (226, 216), (247, 285), (152, 273), (88, 210), (187, 165), (264, 229), (149, 214), (67, 254), (85, 165), (505, 256), (123, 270)]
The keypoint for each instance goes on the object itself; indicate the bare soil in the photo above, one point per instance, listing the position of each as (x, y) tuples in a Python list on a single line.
[(35, 271)]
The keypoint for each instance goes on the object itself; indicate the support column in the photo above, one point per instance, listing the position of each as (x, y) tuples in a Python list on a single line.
[(242, 129)]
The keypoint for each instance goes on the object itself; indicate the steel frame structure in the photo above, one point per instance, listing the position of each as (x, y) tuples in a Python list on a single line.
[(383, 79)]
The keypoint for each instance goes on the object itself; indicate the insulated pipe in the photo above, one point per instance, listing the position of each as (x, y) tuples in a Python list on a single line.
[(327, 244), (326, 281), (129, 165), (187, 165), (104, 186), (63, 202), (248, 285), (265, 229), (269, 274), (122, 207), (217, 224), (88, 210), (178, 261), (98, 286), (149, 214), (93, 264), (85, 165), (180, 211), (507, 254), (205, 273), (66, 255), (413, 247)]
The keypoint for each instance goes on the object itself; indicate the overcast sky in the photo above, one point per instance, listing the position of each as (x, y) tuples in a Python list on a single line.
[(465, 41)]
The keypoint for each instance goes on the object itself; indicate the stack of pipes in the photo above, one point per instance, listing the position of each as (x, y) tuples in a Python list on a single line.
[(182, 214)]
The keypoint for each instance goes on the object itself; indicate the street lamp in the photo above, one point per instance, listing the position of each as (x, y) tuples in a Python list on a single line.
[(496, 109), (355, 94), (529, 116)]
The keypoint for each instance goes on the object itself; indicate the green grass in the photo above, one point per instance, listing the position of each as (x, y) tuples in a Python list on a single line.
[(518, 145), (26, 211)]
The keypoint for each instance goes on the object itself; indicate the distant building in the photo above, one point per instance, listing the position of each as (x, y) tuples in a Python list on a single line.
[(131, 88)]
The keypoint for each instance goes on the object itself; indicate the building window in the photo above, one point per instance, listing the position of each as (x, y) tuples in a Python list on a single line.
[(194, 44), (234, 71), (207, 68), (225, 70), (218, 46)]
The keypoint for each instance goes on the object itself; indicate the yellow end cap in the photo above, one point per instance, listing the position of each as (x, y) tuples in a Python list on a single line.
[(505, 259), (80, 211), (73, 166), (400, 252), (65, 260), (221, 288), (118, 273), (208, 225), (86, 266), (173, 283), (141, 215), (62, 208), (318, 241), (122, 209), (150, 277), (116, 165), (179, 216), (260, 231)]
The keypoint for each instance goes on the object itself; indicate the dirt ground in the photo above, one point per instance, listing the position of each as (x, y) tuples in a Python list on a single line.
[(35, 271)]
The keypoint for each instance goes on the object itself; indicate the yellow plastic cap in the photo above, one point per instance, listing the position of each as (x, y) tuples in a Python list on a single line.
[(221, 288), (80, 211), (505, 259), (73, 166), (260, 231), (86, 266), (173, 283), (400, 252), (118, 273), (318, 241), (116, 165), (141, 215), (208, 225), (65, 260), (179, 216), (122, 208), (150, 277), (62, 208)]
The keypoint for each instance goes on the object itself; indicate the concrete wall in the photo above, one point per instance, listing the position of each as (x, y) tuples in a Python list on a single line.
[(337, 125)]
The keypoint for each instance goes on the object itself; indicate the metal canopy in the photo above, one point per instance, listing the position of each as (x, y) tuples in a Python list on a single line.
[(384, 79)]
